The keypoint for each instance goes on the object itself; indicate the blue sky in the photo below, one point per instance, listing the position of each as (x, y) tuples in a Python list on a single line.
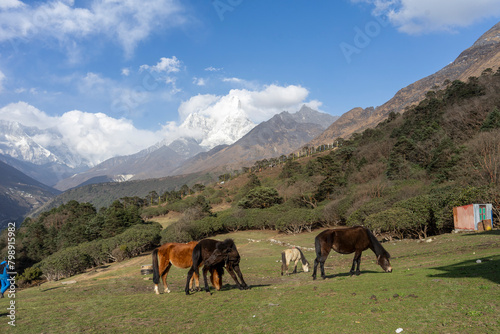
[(141, 66)]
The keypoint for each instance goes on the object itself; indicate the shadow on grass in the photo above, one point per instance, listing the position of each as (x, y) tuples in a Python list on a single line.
[(54, 288), (226, 287), (488, 268), (348, 274), (492, 232)]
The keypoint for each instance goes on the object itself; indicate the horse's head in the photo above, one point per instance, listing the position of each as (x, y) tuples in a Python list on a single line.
[(383, 261), (305, 267), (225, 251)]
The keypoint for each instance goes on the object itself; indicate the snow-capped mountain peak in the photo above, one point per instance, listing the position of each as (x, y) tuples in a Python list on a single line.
[(34, 145), (222, 123)]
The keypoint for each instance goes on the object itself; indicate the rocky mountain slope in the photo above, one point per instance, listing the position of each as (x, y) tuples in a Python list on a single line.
[(281, 135), (483, 54), (19, 194)]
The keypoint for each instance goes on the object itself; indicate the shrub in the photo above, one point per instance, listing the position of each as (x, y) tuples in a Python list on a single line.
[(29, 275), (290, 169), (260, 197), (395, 221), (153, 211)]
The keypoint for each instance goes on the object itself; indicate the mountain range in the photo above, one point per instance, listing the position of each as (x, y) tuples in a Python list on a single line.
[(483, 54), (280, 135), (225, 144), (19, 194)]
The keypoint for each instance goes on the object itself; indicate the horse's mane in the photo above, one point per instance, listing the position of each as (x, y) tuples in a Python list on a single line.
[(302, 257), (228, 243), (377, 246)]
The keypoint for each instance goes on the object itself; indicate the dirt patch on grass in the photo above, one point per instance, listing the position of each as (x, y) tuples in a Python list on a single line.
[(165, 220)]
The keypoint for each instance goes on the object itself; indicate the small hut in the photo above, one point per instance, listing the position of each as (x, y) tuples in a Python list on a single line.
[(473, 217)]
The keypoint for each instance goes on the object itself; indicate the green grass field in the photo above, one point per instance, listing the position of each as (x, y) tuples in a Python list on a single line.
[(436, 287)]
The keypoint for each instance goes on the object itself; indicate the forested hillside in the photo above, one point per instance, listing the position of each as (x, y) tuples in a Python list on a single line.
[(401, 178)]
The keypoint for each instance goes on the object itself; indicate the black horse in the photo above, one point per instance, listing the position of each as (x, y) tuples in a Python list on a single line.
[(216, 254), (346, 241)]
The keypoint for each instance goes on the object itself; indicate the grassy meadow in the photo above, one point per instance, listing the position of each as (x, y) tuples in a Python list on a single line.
[(436, 287)]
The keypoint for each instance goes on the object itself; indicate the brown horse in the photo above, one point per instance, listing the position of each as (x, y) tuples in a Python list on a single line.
[(346, 241), (214, 255), (293, 254), (180, 255)]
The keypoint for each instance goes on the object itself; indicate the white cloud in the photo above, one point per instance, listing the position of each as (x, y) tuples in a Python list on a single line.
[(167, 65), (93, 81), (199, 81), (213, 69), (126, 71), (258, 105), (8, 4), (197, 104), (26, 114), (238, 82), (96, 137), (233, 80), (2, 79), (162, 72), (127, 21), (314, 104), (423, 16)]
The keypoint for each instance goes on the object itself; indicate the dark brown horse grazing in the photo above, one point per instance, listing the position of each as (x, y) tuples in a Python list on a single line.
[(179, 255), (346, 241), (215, 254)]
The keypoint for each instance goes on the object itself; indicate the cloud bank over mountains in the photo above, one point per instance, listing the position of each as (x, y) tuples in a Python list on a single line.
[(210, 119)]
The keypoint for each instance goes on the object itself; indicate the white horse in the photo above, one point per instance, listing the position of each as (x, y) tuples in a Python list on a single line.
[(293, 254)]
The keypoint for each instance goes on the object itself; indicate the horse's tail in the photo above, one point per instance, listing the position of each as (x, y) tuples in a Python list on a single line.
[(302, 257), (377, 246), (283, 257), (156, 269), (317, 247)]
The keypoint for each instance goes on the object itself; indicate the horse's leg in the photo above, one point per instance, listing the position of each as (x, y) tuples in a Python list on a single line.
[(188, 280), (295, 268), (316, 261), (164, 278), (238, 271), (216, 278), (284, 266), (358, 262), (205, 269), (355, 260), (233, 275), (196, 278), (320, 259), (194, 271)]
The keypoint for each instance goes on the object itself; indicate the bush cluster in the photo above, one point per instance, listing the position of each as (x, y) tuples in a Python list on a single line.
[(279, 218), (74, 260)]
